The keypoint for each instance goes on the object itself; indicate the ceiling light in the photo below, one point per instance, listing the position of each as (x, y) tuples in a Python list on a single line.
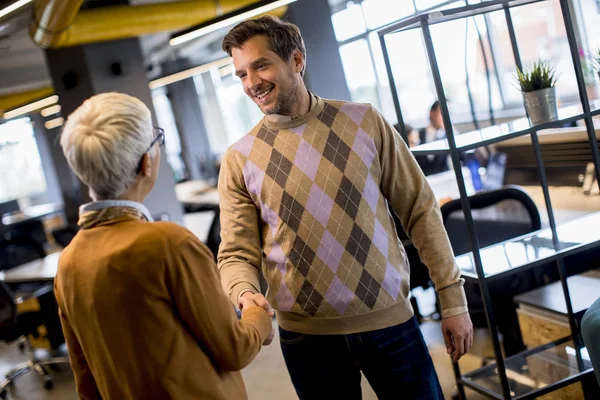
[(14, 6), (227, 20), (188, 73), (55, 109), (54, 123), (36, 105)]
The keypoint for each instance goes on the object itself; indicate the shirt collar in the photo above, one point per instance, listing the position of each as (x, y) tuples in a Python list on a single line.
[(99, 205)]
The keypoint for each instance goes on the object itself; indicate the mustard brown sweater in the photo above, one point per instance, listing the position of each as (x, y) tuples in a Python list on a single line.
[(145, 316), (308, 198)]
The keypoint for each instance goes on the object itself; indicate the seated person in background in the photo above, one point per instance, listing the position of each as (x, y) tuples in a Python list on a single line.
[(431, 164), (141, 303)]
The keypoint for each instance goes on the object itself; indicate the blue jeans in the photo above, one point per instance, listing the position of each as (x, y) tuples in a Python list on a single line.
[(394, 360)]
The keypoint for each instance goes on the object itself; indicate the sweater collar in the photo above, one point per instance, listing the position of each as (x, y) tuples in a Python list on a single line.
[(285, 122)]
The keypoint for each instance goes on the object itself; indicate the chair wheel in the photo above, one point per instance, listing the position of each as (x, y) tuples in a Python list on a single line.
[(48, 385), (3, 394)]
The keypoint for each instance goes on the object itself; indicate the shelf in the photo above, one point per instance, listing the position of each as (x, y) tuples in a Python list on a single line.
[(550, 298), (533, 249), (534, 372), (499, 133), (446, 15)]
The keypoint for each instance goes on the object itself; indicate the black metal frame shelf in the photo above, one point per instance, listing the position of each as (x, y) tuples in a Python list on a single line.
[(456, 144), (584, 368), (499, 133), (568, 244), (439, 16)]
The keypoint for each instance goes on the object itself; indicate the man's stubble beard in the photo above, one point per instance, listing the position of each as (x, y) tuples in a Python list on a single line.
[(286, 101)]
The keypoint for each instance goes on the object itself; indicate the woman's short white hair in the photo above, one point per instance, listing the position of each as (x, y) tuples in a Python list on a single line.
[(104, 140)]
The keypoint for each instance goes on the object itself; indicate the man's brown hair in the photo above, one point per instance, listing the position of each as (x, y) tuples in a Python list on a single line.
[(284, 37)]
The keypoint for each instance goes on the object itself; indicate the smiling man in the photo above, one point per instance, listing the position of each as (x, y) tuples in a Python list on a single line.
[(305, 196)]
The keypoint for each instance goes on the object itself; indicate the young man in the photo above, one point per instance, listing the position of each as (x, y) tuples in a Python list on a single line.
[(306, 194)]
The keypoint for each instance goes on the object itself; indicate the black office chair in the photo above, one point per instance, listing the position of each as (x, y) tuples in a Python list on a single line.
[(509, 201), (510, 213), (15, 251), (14, 326), (214, 234)]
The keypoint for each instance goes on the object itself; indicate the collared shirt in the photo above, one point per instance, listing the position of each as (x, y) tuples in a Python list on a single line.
[(102, 204)]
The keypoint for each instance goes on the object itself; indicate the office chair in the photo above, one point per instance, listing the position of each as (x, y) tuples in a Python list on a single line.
[(15, 325), (214, 240), (515, 214), (18, 250), (9, 207), (214, 234)]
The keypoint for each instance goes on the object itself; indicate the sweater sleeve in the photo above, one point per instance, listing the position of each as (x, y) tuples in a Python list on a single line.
[(408, 192), (195, 286), (240, 251)]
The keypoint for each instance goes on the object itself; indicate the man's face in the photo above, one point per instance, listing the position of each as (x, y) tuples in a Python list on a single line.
[(270, 81), (436, 118)]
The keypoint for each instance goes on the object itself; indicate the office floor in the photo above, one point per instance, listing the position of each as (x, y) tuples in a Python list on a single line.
[(266, 377)]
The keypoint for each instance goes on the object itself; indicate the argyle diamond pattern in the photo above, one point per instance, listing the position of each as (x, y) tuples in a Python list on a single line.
[(316, 189)]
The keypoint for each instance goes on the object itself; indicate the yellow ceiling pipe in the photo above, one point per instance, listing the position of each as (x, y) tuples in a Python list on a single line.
[(11, 101), (60, 23)]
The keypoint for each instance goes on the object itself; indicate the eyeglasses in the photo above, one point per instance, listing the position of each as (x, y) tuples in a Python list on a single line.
[(159, 137)]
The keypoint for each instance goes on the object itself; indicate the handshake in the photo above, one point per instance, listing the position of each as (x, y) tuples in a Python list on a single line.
[(250, 299)]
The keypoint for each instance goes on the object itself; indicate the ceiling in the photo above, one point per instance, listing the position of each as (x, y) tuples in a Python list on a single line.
[(23, 65)]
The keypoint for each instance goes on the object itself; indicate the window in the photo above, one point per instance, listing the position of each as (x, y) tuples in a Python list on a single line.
[(359, 71), (21, 172), (164, 116), (228, 112), (589, 15), (378, 13), (540, 34), (362, 58), (348, 23)]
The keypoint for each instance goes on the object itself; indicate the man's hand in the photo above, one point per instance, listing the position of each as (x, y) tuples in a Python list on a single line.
[(250, 299), (260, 301), (458, 335)]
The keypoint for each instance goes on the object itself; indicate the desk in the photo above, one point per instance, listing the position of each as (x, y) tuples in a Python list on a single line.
[(197, 195), (32, 213), (445, 186), (42, 270)]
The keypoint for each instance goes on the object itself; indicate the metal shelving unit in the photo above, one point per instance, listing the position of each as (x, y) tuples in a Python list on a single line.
[(511, 377)]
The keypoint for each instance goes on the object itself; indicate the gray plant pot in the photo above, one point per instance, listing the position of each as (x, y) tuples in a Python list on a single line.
[(541, 105)]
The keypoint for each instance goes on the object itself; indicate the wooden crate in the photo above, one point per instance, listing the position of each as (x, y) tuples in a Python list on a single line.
[(539, 327)]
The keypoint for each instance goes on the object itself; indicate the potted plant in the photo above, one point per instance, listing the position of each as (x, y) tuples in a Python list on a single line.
[(596, 61), (587, 65), (539, 92)]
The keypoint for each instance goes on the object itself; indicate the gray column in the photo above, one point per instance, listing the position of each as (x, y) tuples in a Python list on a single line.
[(82, 71), (195, 145), (324, 72)]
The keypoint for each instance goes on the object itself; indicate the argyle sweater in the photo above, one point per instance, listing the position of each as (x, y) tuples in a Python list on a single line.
[(306, 200)]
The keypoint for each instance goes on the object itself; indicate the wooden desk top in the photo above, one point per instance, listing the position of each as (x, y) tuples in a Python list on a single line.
[(42, 270), (582, 288)]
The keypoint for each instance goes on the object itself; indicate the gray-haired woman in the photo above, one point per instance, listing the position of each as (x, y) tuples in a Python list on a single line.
[(141, 304)]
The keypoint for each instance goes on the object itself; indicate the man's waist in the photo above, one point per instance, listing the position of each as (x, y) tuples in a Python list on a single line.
[(371, 320)]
